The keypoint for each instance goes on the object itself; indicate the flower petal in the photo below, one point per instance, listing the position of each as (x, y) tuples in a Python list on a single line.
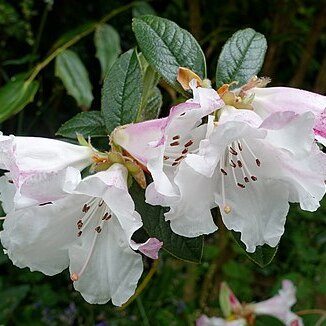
[(320, 127), (38, 237), (7, 193), (151, 248), (113, 269)]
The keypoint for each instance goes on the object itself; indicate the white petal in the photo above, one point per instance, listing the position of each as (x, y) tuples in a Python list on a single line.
[(258, 211), (38, 237), (190, 216), (320, 127), (113, 269)]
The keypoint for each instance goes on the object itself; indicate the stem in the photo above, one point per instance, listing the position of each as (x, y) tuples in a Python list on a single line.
[(311, 312), (75, 39), (142, 286)]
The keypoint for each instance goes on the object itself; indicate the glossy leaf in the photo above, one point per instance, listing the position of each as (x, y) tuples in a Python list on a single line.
[(89, 123), (188, 249), (108, 49), (241, 58), (263, 254), (122, 91), (15, 95), (70, 69), (167, 47)]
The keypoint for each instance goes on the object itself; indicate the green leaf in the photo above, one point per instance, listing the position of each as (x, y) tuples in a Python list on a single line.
[(122, 91), (241, 58), (263, 254), (89, 123), (15, 95), (188, 249), (167, 47), (108, 49), (153, 105), (70, 69)]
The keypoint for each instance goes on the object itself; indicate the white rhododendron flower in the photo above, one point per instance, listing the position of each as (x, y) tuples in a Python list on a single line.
[(251, 172), (160, 145), (267, 100), (244, 314), (280, 305), (88, 231), (38, 167)]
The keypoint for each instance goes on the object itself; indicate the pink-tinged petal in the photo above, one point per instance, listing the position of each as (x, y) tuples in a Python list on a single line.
[(229, 113), (320, 127), (214, 321), (280, 305), (140, 139), (7, 193), (273, 99), (151, 248), (113, 268)]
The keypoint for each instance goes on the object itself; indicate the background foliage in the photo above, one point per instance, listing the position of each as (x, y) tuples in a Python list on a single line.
[(178, 292)]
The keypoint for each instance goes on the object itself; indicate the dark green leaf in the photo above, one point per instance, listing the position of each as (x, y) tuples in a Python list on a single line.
[(188, 249), (86, 123), (70, 69), (167, 47), (263, 254), (265, 320), (107, 43), (122, 91), (15, 95), (241, 58), (153, 105)]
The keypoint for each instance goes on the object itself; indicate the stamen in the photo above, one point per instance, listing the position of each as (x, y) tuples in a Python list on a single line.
[(100, 203), (48, 203), (85, 208), (10, 181), (79, 233), (241, 185), (179, 158), (176, 137), (257, 162), (239, 164), (253, 178), (239, 146), (227, 209), (80, 224), (233, 164), (98, 229), (182, 114), (175, 163), (246, 179), (185, 151), (165, 157)]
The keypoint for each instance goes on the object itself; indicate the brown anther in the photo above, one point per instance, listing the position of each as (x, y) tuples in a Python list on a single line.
[(108, 217), (79, 233), (240, 147), (74, 277), (47, 203), (257, 162), (80, 224), (233, 164), (175, 143), (165, 157), (246, 179), (175, 163), (233, 151), (98, 229), (85, 208), (224, 172), (185, 151), (241, 185), (182, 114), (176, 137), (10, 181), (179, 158), (253, 178), (189, 143), (105, 216), (100, 203), (239, 164)]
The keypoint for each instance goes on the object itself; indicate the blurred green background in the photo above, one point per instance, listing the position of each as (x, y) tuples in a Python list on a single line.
[(178, 292)]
